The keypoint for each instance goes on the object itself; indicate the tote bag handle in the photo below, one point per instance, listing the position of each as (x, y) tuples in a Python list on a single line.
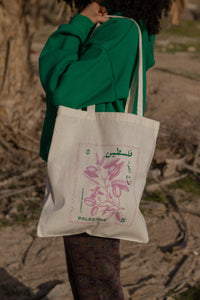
[(136, 77)]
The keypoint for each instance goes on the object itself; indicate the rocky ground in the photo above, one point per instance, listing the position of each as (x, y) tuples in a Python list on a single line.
[(34, 268)]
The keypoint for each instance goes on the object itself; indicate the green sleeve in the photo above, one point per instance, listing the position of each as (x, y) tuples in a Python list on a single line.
[(75, 78), (62, 49), (64, 70), (84, 82)]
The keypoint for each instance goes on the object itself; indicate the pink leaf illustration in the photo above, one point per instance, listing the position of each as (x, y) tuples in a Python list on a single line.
[(97, 158), (104, 198), (94, 211), (99, 163), (115, 170), (111, 163), (91, 171), (96, 192), (118, 216), (121, 183), (108, 209), (90, 202), (110, 215), (118, 186), (94, 181), (102, 161), (116, 191)]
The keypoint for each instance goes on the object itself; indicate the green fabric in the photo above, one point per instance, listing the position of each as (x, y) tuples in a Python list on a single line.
[(78, 71)]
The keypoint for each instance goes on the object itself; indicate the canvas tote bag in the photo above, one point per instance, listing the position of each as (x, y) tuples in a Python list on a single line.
[(97, 168)]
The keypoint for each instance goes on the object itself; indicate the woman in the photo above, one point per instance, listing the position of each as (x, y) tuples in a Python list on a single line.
[(77, 71)]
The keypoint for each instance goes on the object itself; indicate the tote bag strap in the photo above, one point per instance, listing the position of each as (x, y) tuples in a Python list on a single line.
[(137, 77)]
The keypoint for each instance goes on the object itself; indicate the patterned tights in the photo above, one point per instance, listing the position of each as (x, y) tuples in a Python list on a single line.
[(93, 267)]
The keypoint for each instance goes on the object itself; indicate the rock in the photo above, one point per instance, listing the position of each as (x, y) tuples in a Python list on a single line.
[(154, 206), (191, 49), (126, 293), (170, 170), (161, 155), (7, 217), (171, 46), (60, 292), (155, 173), (13, 210), (163, 43)]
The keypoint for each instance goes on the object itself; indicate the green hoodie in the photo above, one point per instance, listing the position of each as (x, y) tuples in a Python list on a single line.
[(78, 71)]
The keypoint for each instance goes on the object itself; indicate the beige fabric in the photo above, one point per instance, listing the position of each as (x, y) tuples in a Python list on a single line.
[(96, 171)]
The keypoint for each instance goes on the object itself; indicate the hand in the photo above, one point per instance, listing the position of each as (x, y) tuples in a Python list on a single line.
[(95, 13)]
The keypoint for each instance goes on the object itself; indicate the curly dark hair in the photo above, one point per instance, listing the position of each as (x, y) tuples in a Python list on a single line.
[(149, 11)]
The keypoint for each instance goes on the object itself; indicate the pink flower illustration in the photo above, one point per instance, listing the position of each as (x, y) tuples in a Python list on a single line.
[(94, 211), (89, 201), (118, 216), (100, 162), (104, 199), (114, 168), (118, 186), (91, 171)]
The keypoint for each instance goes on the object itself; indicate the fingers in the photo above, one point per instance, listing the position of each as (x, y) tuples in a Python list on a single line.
[(102, 19), (101, 15), (95, 12), (103, 10)]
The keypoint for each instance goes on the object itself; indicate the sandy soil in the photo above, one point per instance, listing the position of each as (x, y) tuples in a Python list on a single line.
[(34, 268)]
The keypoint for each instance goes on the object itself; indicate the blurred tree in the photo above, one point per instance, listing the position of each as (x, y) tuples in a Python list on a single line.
[(175, 12), (47, 11), (19, 86), (15, 67), (54, 12)]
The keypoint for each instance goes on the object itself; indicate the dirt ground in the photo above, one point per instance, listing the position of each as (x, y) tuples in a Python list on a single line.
[(34, 268)]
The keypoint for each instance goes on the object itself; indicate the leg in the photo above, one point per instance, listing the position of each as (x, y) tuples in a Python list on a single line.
[(93, 267)]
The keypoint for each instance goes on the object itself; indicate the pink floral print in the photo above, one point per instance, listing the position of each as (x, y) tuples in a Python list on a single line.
[(105, 198)]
